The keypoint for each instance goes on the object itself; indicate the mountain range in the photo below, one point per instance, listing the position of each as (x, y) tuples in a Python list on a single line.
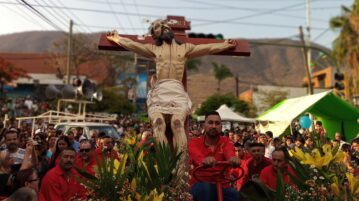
[(272, 62)]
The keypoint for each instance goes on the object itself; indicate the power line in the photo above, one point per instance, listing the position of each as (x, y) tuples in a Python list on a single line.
[(53, 14), (321, 34), (116, 17), (26, 18), (230, 21), (69, 17), (128, 17), (38, 13), (90, 10), (110, 27), (137, 11), (249, 16)]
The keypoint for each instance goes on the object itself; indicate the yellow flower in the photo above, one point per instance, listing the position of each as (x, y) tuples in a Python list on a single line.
[(335, 189), (116, 164), (314, 158), (155, 196), (353, 184), (339, 157), (133, 184), (298, 153), (130, 140)]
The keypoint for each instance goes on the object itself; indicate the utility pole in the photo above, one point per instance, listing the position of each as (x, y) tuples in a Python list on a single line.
[(310, 86), (309, 57), (237, 85), (69, 53)]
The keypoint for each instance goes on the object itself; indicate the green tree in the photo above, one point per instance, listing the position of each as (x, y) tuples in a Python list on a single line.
[(221, 72), (271, 98), (113, 102), (215, 101), (346, 45), (193, 64)]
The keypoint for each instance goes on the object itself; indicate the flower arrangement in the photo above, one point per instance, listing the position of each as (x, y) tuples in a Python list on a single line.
[(145, 171), (319, 175)]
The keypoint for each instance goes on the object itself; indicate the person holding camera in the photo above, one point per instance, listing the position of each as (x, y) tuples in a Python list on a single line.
[(12, 160)]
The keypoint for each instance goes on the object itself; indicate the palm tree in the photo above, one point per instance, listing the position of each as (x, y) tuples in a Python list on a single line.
[(346, 45), (221, 72)]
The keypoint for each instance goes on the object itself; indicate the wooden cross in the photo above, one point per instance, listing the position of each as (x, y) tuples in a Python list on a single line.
[(179, 25)]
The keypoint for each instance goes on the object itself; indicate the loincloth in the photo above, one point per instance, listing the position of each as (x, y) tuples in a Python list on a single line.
[(168, 97)]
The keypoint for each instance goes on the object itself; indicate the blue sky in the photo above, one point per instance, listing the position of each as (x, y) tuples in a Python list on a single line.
[(232, 18)]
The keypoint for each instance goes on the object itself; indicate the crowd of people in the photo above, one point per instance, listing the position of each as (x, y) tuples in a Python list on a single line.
[(41, 165), (261, 156)]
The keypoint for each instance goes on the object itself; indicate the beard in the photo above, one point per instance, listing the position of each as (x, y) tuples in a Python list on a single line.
[(213, 132), (12, 146), (167, 37)]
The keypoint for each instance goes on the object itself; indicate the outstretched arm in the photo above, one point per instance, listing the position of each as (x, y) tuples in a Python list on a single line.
[(139, 48), (211, 48)]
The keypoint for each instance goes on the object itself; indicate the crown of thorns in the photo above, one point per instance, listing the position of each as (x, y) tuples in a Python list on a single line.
[(163, 23)]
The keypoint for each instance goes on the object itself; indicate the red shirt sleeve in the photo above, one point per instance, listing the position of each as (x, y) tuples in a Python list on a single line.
[(196, 156), (50, 190), (263, 176)]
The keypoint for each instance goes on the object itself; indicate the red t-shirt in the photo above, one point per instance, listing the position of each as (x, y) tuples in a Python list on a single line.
[(55, 187), (89, 168), (198, 151), (269, 177), (252, 170), (108, 154)]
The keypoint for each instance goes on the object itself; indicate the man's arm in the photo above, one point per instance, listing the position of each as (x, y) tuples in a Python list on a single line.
[(139, 48), (195, 156), (206, 49)]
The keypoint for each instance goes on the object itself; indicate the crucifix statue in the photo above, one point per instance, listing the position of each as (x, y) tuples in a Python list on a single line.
[(168, 102)]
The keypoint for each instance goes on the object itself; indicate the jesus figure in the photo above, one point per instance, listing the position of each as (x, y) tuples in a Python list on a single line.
[(168, 98)]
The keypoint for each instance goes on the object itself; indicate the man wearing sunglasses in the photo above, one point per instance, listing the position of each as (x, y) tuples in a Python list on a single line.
[(86, 159)]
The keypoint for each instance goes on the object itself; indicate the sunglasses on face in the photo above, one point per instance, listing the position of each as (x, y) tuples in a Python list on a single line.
[(85, 150)]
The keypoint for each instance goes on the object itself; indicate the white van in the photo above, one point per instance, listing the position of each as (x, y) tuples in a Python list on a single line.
[(88, 128)]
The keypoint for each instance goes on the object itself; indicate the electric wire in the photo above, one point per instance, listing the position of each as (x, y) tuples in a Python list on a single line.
[(32, 20), (116, 17), (76, 19), (248, 16), (38, 13), (192, 19), (52, 14), (128, 17)]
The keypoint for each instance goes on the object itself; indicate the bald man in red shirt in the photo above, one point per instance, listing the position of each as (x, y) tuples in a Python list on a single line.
[(269, 174), (207, 150)]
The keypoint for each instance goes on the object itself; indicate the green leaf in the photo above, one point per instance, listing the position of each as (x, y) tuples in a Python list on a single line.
[(280, 191)]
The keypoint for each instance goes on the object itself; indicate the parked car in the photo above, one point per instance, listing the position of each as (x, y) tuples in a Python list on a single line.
[(88, 128)]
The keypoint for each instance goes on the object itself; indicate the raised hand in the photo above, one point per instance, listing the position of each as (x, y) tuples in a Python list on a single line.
[(231, 42), (113, 36)]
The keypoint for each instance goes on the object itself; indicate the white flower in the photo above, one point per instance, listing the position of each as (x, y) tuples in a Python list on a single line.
[(312, 166), (315, 177), (321, 177), (315, 170)]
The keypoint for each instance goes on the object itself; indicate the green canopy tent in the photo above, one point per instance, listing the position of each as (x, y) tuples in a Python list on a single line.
[(336, 114)]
